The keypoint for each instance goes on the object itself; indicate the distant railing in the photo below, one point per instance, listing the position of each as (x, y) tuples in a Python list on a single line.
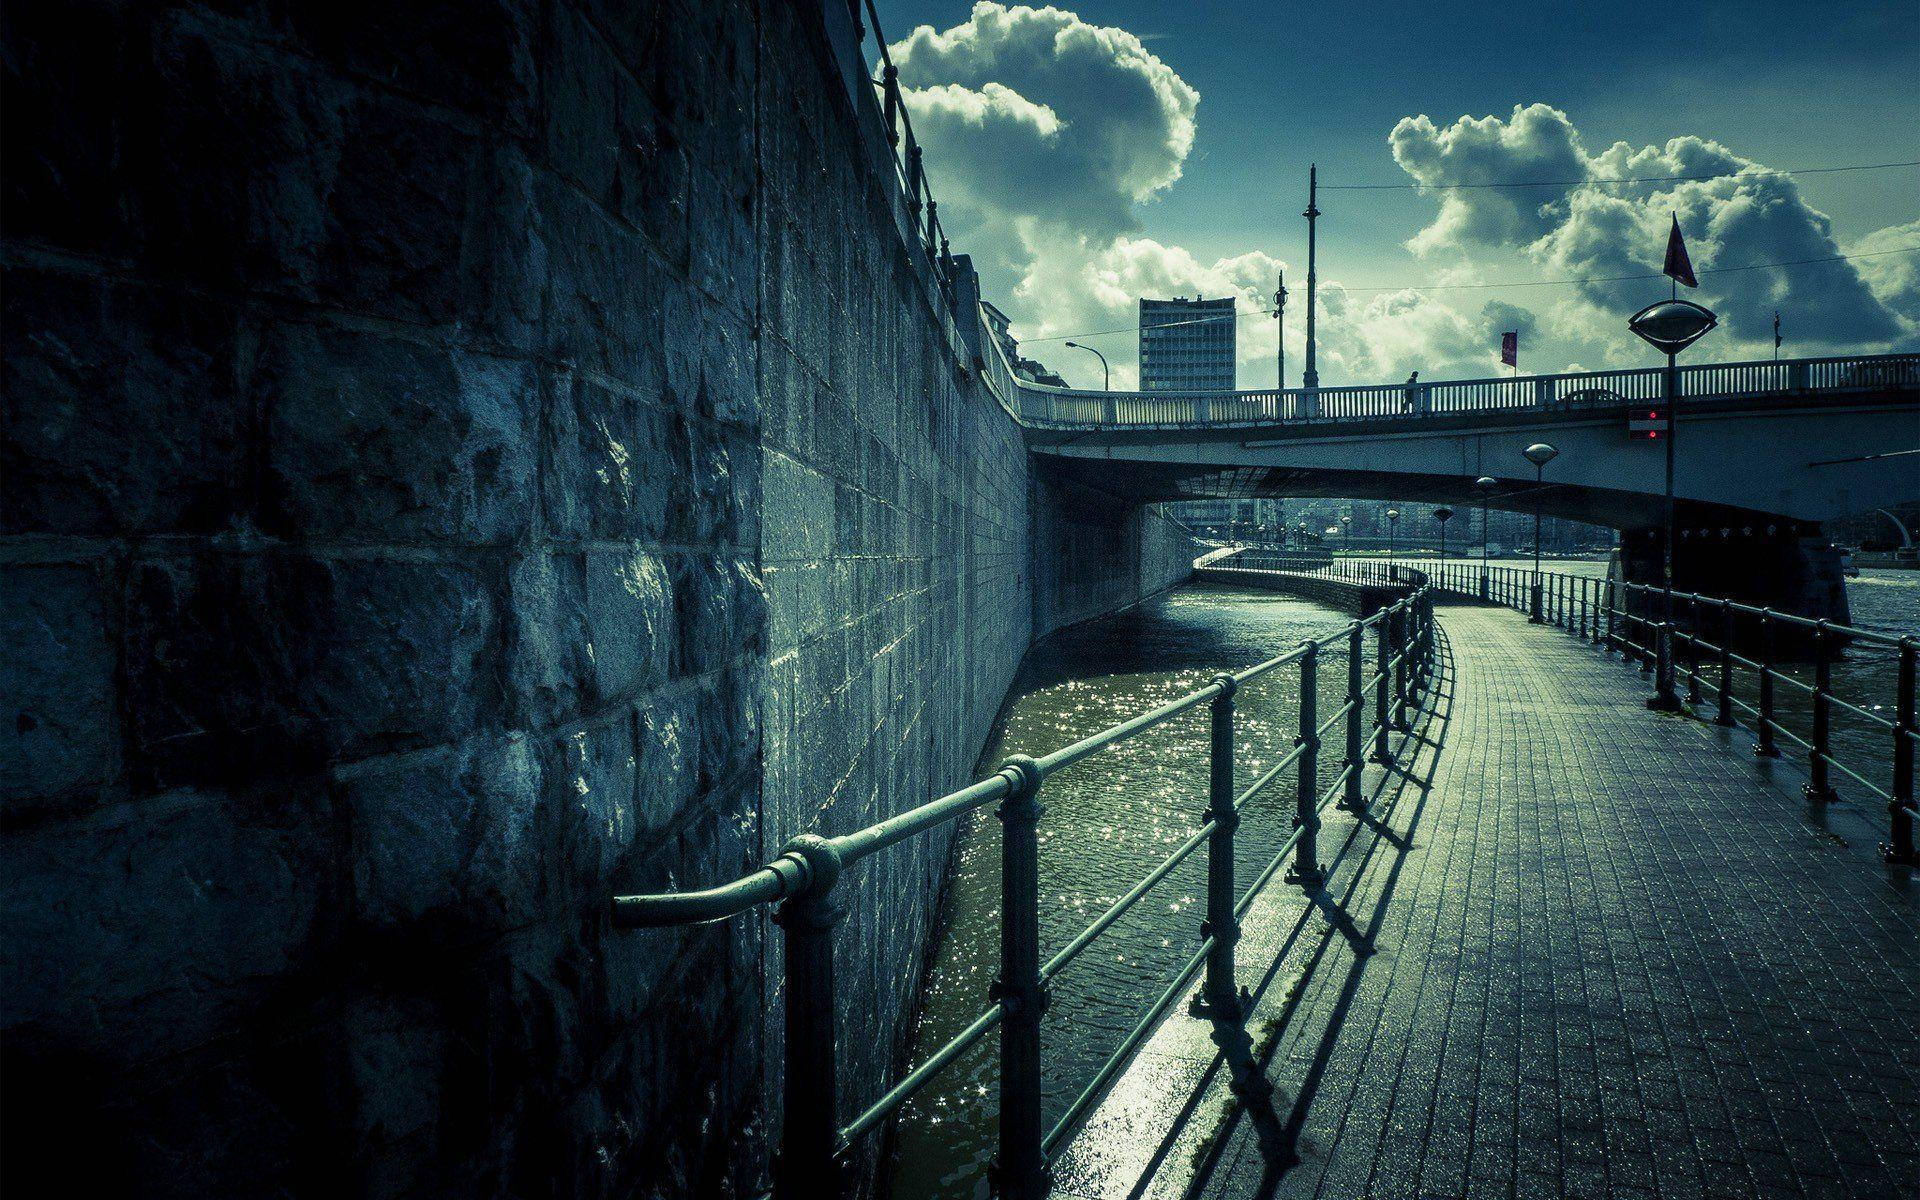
[(909, 167), (1700, 646), (814, 1147), (1549, 393)]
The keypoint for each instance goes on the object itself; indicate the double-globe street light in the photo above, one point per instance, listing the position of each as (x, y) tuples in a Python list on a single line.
[(1539, 454), (1669, 326)]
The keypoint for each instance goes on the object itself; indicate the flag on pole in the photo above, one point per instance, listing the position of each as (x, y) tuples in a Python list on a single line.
[(1679, 267), (1510, 348), (1776, 329)]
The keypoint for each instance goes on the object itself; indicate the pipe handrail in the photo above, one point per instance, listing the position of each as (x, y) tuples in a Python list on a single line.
[(1622, 616), (802, 877)]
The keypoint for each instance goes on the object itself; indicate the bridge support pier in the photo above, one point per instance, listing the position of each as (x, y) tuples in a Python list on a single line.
[(1785, 567)]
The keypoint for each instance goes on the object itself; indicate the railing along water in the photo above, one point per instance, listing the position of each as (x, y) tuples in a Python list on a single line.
[(1706, 632), (815, 1148), (1582, 391)]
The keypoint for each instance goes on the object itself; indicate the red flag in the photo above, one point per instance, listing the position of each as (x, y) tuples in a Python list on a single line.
[(1679, 267), (1510, 348)]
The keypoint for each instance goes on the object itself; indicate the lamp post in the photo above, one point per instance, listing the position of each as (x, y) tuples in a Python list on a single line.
[(1539, 454), (1393, 524), (1443, 515), (1106, 376), (1485, 484), (1669, 326), (1346, 533)]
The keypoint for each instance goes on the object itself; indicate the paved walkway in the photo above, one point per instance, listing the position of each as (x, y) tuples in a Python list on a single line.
[(1587, 951)]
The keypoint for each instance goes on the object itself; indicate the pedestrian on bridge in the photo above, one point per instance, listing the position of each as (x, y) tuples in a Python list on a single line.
[(1413, 388)]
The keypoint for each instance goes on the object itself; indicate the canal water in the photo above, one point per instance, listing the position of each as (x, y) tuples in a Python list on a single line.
[(1111, 819)]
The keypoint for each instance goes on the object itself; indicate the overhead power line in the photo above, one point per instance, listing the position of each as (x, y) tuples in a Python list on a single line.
[(1575, 183), (1513, 283)]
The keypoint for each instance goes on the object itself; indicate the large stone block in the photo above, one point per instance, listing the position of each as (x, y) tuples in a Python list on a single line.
[(60, 84), (603, 462), (57, 671), (230, 152), (121, 413), (549, 656), (395, 206), (248, 666), (452, 835), (604, 301), (173, 916), (629, 621), (477, 56), (373, 438)]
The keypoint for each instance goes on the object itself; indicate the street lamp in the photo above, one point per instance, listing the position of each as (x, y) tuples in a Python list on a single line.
[(1539, 454), (1669, 326), (1106, 377), (1443, 515), (1393, 523), (1485, 484)]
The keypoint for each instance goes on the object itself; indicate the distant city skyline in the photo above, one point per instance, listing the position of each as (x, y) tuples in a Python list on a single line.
[(1090, 157)]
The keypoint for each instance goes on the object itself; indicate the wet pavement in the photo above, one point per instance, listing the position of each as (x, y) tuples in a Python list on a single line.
[(1580, 950)]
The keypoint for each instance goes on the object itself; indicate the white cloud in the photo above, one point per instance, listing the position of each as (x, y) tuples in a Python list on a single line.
[(1046, 135), (1754, 216), (1894, 278)]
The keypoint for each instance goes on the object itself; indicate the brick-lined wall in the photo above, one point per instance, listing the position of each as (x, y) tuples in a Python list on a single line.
[(461, 461)]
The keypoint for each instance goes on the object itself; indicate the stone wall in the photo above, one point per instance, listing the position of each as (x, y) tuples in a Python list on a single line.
[(1092, 554), (1341, 595), (461, 461)]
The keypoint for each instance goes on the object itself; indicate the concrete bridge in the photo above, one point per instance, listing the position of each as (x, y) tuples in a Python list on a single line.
[(1767, 451)]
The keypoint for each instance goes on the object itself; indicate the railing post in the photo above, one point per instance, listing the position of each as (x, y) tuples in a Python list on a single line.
[(1819, 788), (1899, 847), (1020, 1169), (1723, 714), (1403, 643), (1220, 999), (806, 1166), (1612, 639), (1356, 717), (1765, 747), (1383, 652), (1306, 870), (1693, 650)]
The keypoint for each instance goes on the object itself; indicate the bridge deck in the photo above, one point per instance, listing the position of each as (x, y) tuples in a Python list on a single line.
[(1587, 951)]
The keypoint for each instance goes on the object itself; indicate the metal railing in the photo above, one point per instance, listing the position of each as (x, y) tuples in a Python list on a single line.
[(815, 1148), (909, 167), (1700, 645), (1577, 392)]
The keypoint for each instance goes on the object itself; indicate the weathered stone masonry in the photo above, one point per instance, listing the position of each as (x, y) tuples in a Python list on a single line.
[(460, 461)]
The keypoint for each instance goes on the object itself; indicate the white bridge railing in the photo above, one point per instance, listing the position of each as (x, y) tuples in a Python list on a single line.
[(1552, 393)]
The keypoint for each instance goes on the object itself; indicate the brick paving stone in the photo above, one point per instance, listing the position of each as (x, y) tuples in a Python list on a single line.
[(1582, 950)]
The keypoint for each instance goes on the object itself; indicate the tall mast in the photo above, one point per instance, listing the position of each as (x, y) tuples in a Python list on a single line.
[(1311, 379), (1280, 317)]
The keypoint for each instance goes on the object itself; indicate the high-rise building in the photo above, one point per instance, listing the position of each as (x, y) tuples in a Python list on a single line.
[(1186, 345)]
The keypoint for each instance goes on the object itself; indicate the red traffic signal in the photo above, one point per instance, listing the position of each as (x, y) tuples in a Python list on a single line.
[(1646, 422)]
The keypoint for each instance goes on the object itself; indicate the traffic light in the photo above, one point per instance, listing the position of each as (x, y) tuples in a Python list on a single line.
[(1647, 422)]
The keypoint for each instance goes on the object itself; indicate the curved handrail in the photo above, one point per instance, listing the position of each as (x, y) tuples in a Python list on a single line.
[(803, 875)]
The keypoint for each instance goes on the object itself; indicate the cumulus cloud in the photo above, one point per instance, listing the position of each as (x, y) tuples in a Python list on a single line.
[(1070, 124), (1746, 216), (1894, 278), (1046, 135)]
